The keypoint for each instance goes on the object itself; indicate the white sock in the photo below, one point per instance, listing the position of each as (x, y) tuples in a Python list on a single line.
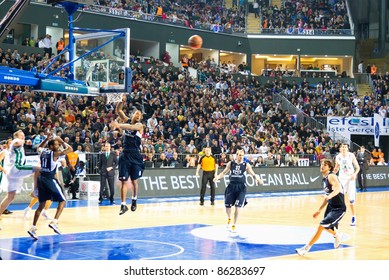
[(134, 197), (123, 203), (55, 221)]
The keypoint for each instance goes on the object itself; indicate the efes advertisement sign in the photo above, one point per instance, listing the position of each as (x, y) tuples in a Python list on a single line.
[(358, 125)]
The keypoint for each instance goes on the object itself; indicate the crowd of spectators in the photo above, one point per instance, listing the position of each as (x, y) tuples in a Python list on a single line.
[(306, 17), (209, 15), (381, 85), (183, 115)]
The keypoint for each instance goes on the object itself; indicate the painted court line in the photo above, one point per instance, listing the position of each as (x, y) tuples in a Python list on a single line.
[(23, 254)]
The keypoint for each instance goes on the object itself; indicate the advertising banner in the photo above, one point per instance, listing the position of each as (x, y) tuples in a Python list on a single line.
[(377, 176), (358, 125), (184, 182), (89, 190)]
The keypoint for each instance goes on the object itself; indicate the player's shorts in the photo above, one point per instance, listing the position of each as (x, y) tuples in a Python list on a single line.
[(350, 188), (16, 176), (3, 182), (50, 189), (234, 195), (332, 217), (131, 166)]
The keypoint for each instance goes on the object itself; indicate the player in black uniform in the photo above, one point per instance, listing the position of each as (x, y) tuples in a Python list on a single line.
[(130, 163), (336, 208), (235, 192), (48, 185)]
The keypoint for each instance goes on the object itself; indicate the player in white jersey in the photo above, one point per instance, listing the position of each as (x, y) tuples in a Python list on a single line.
[(17, 169), (4, 164), (348, 167), (4, 167)]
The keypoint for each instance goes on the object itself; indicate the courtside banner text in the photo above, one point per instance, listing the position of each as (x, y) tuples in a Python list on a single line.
[(182, 182)]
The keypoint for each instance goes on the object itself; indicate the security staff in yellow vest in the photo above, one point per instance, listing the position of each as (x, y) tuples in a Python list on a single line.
[(209, 165), (185, 62), (72, 161), (60, 45)]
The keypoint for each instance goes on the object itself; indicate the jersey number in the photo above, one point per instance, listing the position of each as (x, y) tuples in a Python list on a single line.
[(44, 162)]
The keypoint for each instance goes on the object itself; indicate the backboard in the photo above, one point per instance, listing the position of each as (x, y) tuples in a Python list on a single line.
[(98, 59), (109, 57)]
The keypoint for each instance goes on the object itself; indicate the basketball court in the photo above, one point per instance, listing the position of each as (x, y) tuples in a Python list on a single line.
[(271, 226)]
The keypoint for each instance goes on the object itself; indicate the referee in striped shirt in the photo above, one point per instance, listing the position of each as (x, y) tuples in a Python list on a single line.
[(209, 165)]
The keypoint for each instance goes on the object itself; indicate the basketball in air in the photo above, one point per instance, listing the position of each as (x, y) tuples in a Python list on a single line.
[(195, 42)]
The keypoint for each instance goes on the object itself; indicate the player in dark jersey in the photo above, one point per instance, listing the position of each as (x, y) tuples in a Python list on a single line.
[(235, 193), (130, 163), (336, 207), (48, 185)]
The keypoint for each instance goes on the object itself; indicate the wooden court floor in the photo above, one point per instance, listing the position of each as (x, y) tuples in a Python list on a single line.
[(285, 214)]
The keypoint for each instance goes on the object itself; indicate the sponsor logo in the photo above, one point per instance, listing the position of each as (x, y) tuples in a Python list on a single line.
[(71, 88), (313, 179), (11, 78)]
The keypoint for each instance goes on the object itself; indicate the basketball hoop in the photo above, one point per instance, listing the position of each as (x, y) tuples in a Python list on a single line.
[(114, 97)]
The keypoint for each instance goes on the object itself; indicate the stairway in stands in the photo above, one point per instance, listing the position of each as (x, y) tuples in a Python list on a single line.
[(277, 3), (228, 4), (363, 89), (366, 53), (253, 24)]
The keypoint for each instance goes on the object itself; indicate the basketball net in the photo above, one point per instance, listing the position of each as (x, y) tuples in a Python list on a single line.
[(114, 97)]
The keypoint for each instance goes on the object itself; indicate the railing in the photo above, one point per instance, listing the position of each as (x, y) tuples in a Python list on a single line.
[(207, 26), (92, 160), (351, 21), (372, 86), (320, 123), (301, 117), (307, 32), (168, 21), (246, 14), (362, 78)]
